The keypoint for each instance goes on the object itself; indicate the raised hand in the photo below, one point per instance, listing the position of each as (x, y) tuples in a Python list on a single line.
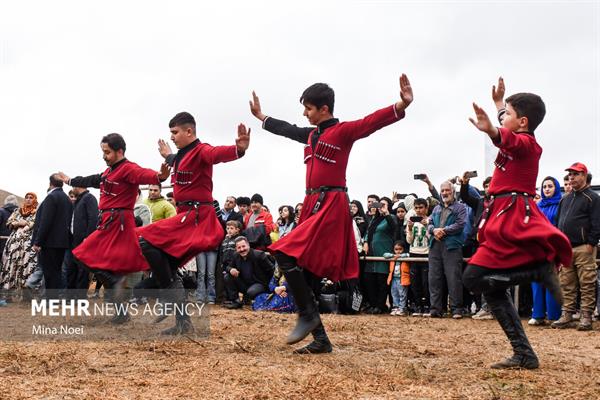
[(164, 149), (165, 171), (483, 122), (243, 140), (406, 93), (255, 107), (63, 177), (498, 93)]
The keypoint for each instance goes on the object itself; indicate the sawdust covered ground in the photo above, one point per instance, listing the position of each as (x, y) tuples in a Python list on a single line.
[(375, 357)]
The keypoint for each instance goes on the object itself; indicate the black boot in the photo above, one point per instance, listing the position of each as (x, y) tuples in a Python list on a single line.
[(176, 294), (114, 285), (544, 274), (501, 305), (319, 345), (308, 314)]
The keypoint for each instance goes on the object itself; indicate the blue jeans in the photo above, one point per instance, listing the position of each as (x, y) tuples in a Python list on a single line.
[(206, 263), (544, 303), (399, 295)]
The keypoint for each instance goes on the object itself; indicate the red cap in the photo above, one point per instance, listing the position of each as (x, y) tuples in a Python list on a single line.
[(579, 167)]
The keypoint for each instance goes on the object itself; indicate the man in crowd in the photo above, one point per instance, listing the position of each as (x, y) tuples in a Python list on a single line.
[(85, 218), (243, 204), (248, 273), (160, 208), (10, 205), (258, 223), (445, 229), (579, 219), (229, 213), (51, 236)]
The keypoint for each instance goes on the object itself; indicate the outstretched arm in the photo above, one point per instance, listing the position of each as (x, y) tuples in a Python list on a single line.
[(81, 181), (484, 124), (276, 126)]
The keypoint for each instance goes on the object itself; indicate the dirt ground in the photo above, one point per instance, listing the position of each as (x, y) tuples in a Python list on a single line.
[(374, 357)]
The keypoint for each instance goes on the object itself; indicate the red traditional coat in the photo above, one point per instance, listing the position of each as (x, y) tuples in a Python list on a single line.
[(323, 242), (507, 237), (114, 245), (195, 228)]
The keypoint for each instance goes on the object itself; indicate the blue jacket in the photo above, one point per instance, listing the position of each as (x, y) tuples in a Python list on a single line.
[(454, 225)]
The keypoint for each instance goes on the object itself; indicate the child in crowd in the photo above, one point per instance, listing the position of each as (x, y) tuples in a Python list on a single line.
[(399, 278), (418, 239), (226, 252), (278, 300)]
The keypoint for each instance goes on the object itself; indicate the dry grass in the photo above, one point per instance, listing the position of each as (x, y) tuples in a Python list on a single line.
[(375, 357)]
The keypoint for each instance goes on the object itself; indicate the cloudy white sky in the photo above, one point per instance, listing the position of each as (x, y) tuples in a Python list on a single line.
[(71, 72)]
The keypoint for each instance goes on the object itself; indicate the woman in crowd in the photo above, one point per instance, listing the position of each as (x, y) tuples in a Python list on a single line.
[(358, 214), (544, 304), (18, 258), (286, 221), (379, 240), (279, 299)]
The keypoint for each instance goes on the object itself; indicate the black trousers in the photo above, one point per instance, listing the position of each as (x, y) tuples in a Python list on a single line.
[(377, 289), (52, 260), (236, 285), (419, 282), (78, 277)]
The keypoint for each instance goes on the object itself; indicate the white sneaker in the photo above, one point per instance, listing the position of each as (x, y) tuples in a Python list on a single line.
[(394, 311), (483, 315), (536, 322)]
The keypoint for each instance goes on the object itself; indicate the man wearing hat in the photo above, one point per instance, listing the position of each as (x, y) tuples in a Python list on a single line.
[(258, 223), (579, 219)]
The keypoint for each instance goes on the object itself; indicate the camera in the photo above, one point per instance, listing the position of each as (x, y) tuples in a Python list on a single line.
[(420, 176), (416, 218), (471, 174), (375, 204)]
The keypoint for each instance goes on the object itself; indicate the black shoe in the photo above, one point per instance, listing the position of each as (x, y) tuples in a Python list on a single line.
[(518, 361), (182, 326), (315, 347), (120, 319), (234, 305)]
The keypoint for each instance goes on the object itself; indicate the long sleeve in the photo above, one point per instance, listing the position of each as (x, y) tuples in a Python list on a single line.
[(435, 194), (86, 181), (461, 220), (91, 209), (362, 128), (45, 220), (141, 176), (594, 236), (218, 154), (466, 196), (285, 129)]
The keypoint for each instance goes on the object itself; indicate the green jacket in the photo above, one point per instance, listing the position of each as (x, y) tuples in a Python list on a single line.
[(160, 208)]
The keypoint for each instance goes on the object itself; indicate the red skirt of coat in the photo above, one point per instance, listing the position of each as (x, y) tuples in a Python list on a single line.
[(507, 241), (185, 235), (323, 242), (114, 246)]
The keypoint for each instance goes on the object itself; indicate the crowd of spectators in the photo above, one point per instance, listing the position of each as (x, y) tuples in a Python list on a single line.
[(412, 251)]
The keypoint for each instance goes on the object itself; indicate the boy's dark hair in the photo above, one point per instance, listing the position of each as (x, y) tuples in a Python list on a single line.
[(487, 180), (169, 195), (373, 196), (182, 118), (235, 224), (114, 141), (319, 95), (566, 178), (420, 202), (588, 179), (243, 201), (528, 105), (55, 182), (399, 243), (156, 184)]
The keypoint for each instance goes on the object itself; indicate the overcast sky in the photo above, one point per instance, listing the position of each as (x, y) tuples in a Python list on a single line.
[(71, 72)]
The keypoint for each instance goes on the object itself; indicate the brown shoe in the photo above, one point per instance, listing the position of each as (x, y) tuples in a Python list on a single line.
[(585, 321), (518, 361), (565, 321)]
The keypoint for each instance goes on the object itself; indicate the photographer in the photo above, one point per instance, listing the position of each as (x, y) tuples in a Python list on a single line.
[(379, 240)]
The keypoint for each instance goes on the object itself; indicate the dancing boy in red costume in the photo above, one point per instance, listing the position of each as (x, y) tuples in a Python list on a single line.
[(517, 243), (112, 251), (323, 244), (169, 243)]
